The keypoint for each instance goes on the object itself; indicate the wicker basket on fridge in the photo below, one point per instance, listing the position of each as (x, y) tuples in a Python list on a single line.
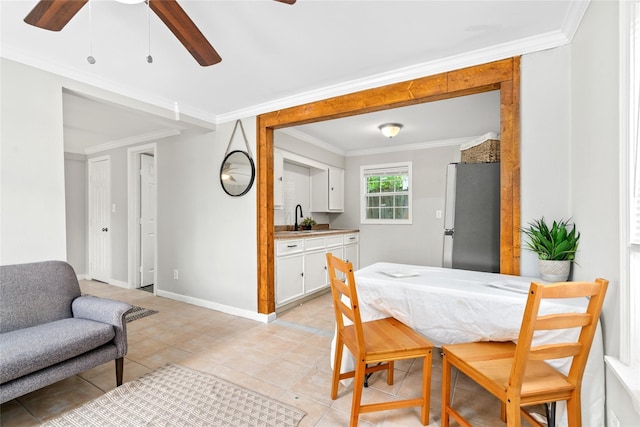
[(483, 150)]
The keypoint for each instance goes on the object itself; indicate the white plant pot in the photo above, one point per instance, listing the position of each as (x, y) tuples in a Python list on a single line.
[(554, 271)]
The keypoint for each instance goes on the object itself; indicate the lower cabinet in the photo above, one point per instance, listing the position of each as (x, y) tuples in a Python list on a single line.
[(301, 264), (290, 277)]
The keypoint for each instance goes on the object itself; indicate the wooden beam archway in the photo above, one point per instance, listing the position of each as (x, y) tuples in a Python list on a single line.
[(501, 75)]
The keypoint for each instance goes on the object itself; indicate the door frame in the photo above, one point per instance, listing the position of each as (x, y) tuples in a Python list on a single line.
[(133, 213), (90, 164), (502, 75)]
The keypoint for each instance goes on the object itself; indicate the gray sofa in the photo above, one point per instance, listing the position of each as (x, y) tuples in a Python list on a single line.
[(49, 332)]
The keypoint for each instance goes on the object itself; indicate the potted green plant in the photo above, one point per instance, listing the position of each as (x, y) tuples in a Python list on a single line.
[(307, 223), (555, 246)]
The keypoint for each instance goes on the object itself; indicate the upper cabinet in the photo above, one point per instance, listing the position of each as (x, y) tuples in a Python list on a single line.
[(327, 190)]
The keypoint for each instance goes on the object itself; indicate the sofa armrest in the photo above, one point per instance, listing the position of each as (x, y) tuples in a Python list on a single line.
[(106, 311)]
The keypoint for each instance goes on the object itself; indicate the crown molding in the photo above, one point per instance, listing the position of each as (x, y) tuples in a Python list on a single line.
[(481, 56), (313, 140), (410, 147), (125, 142), (378, 150)]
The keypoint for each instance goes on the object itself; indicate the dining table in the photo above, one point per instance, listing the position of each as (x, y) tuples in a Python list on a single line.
[(451, 306)]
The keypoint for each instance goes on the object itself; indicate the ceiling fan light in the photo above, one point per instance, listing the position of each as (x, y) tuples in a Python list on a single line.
[(390, 129), (130, 1)]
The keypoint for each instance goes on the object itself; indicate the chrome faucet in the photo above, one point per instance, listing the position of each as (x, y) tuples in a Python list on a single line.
[(295, 226)]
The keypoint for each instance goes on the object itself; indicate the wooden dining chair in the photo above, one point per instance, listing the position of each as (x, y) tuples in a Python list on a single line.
[(375, 345), (517, 374)]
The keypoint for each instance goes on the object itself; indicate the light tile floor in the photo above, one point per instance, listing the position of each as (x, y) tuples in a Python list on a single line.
[(288, 359)]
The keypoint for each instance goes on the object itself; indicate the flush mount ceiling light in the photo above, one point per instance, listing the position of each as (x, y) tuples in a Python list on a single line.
[(390, 129)]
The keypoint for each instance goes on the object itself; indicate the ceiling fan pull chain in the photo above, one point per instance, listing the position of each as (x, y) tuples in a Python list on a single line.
[(90, 59), (149, 57)]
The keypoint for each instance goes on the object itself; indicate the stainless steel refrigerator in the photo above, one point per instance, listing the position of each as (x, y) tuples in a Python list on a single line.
[(472, 217)]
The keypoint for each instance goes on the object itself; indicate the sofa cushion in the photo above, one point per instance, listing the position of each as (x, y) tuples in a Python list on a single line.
[(36, 293), (28, 350)]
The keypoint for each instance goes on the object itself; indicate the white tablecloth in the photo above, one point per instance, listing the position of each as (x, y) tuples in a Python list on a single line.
[(452, 306)]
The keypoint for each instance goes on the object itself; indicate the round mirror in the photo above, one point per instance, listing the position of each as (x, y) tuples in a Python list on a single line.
[(237, 173)]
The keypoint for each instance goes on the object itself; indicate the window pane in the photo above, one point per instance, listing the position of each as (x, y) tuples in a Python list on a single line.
[(373, 213), (386, 201), (386, 213), (373, 184), (402, 201), (386, 184), (402, 213), (373, 201)]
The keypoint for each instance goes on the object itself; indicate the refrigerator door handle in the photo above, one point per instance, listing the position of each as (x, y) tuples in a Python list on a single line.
[(448, 232)]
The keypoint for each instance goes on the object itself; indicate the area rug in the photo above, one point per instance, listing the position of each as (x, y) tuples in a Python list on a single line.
[(178, 396), (138, 313)]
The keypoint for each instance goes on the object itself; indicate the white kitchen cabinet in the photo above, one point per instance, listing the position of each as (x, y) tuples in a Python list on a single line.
[(289, 270), (327, 190), (300, 267), (315, 271), (351, 249), (278, 179)]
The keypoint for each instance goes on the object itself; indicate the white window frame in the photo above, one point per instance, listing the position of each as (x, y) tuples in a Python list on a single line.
[(626, 367), (363, 193)]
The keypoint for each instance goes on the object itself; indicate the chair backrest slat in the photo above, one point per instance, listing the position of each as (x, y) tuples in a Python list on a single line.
[(562, 321), (555, 351)]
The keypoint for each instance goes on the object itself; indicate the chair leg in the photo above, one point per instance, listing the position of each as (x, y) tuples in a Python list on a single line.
[(119, 371), (426, 388), (337, 367), (358, 382), (446, 391), (513, 411), (574, 411)]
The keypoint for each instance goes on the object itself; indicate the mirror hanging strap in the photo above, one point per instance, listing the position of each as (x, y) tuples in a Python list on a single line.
[(244, 136)]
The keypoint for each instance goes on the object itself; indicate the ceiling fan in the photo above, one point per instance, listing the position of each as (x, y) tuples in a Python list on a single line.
[(55, 14)]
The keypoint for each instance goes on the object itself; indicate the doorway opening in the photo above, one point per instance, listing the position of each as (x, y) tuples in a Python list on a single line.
[(142, 201)]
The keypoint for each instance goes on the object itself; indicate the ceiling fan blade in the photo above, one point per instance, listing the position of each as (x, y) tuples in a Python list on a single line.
[(174, 17), (287, 1), (53, 14)]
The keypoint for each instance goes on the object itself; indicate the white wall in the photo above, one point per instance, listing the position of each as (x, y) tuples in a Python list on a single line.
[(595, 180), (32, 196), (209, 236), (75, 178), (545, 160)]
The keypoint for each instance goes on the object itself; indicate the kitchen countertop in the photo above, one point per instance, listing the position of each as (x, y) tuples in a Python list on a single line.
[(290, 234)]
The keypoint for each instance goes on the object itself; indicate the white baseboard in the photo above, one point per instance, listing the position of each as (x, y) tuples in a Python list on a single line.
[(119, 283), (247, 314), (83, 276)]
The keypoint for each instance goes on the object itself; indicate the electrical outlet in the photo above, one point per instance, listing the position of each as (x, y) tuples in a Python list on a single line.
[(175, 274), (438, 214)]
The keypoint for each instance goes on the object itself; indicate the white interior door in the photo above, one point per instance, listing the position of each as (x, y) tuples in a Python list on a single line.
[(148, 210), (100, 218)]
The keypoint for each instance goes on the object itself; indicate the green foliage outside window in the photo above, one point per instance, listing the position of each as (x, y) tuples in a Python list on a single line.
[(387, 197)]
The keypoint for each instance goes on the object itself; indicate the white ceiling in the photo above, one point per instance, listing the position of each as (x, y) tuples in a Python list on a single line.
[(275, 55)]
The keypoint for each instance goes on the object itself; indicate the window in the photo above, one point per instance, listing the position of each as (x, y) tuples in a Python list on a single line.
[(627, 367), (385, 194)]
